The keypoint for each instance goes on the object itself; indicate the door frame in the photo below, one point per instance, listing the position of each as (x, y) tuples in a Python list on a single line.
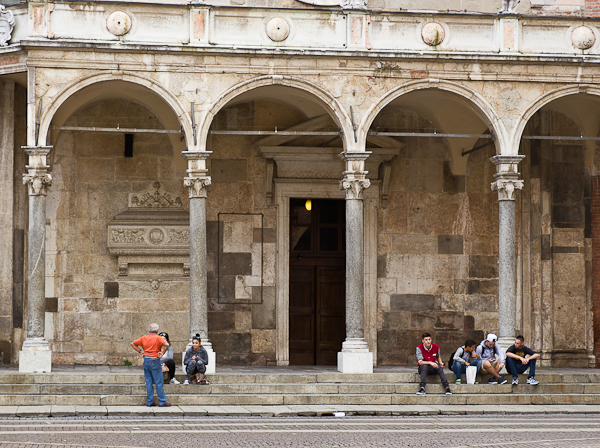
[(285, 189)]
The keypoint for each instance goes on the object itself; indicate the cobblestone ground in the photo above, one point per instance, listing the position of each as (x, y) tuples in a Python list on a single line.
[(212, 432)]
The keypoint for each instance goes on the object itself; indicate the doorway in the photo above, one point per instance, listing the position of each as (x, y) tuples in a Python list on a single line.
[(317, 280)]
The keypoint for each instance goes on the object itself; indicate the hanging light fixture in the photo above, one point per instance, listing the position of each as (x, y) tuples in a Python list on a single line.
[(308, 205)]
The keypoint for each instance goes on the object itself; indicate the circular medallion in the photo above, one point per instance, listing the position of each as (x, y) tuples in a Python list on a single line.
[(278, 29), (156, 236), (583, 37), (118, 23), (433, 34)]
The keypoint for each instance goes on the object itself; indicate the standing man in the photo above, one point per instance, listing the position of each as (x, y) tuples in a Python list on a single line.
[(429, 361), (152, 347), (492, 358), (516, 361)]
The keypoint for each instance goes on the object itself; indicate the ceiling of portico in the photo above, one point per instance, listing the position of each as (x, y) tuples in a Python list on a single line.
[(122, 90), (448, 113)]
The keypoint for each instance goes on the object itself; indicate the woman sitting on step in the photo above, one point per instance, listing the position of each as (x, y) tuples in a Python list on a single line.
[(168, 360), (195, 359)]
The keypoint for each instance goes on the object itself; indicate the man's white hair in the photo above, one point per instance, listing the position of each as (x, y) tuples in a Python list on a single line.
[(153, 328)]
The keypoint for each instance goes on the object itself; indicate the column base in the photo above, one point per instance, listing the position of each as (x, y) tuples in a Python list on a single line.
[(355, 357), (211, 368), (36, 356)]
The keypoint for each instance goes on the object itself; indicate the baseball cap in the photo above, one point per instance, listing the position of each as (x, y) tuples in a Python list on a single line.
[(491, 337)]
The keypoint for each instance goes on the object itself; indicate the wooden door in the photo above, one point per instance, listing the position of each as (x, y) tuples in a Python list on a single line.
[(317, 281)]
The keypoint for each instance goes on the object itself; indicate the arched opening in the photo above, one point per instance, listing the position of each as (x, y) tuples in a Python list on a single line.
[(117, 223), (559, 141), (438, 236), (276, 266)]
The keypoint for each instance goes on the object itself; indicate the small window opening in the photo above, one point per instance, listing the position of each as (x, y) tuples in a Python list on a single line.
[(128, 145)]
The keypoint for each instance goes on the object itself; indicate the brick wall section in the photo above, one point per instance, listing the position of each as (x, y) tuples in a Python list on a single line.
[(596, 264), (579, 8)]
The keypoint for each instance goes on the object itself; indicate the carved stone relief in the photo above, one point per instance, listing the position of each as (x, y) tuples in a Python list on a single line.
[(345, 4), (7, 24), (118, 23), (152, 238)]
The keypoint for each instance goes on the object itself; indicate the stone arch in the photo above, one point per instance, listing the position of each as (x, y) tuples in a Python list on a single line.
[(331, 105), (484, 109), (142, 81)]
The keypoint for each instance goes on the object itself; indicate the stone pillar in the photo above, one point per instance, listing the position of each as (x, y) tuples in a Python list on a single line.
[(596, 265), (36, 354), (507, 181), (197, 182), (355, 356)]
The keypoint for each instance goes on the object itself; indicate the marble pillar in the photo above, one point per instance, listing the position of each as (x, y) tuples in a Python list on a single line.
[(197, 182), (355, 356), (507, 182), (36, 355)]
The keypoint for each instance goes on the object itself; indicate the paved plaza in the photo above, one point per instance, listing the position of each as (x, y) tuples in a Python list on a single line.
[(422, 431)]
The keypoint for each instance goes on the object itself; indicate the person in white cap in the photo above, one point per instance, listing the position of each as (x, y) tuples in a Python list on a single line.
[(492, 358)]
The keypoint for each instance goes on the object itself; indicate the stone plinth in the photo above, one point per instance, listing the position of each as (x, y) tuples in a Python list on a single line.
[(355, 357), (36, 356)]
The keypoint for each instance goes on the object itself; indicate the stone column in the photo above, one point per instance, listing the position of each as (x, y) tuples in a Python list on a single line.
[(197, 182), (507, 181), (355, 356), (36, 354)]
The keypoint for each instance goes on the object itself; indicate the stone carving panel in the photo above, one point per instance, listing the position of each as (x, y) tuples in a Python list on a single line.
[(118, 23), (7, 24), (278, 29)]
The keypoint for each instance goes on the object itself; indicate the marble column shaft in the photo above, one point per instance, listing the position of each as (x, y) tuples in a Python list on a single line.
[(198, 279), (36, 295), (354, 269)]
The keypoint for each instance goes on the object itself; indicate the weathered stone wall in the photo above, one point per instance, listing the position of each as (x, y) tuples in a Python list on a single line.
[(437, 263)]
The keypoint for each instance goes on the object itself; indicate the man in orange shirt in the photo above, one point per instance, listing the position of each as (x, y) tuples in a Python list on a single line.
[(153, 347)]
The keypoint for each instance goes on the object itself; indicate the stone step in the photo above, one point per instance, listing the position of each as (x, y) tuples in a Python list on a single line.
[(133, 377), (300, 399)]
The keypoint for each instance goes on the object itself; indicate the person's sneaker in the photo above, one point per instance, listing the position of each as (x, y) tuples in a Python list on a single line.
[(166, 405), (532, 381), (174, 381), (421, 392), (502, 380), (448, 391), (515, 381), (458, 381), (492, 380), (186, 382)]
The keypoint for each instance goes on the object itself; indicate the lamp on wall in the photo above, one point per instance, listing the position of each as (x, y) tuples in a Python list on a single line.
[(308, 205)]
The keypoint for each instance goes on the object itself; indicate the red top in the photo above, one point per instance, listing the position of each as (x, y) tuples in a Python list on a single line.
[(151, 343), (431, 355)]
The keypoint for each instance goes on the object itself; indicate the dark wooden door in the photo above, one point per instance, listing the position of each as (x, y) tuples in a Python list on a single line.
[(317, 281)]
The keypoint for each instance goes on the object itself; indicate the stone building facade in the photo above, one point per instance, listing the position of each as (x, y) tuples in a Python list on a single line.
[(312, 182)]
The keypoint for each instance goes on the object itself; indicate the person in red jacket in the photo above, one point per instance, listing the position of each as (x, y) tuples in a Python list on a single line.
[(430, 362)]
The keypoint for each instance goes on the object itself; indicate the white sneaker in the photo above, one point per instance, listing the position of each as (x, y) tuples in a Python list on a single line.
[(174, 381), (515, 381), (532, 381), (186, 382)]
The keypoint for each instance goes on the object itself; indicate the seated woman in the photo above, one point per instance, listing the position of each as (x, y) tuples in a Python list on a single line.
[(195, 359), (168, 360)]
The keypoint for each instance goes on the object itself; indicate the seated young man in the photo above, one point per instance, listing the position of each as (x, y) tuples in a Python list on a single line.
[(461, 359), (492, 358), (430, 362), (516, 361)]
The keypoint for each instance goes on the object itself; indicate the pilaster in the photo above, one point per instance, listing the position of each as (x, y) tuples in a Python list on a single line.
[(197, 181)]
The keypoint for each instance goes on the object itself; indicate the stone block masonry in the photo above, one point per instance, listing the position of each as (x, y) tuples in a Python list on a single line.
[(596, 264)]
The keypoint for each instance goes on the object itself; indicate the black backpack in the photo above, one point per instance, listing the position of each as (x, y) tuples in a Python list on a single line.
[(451, 360)]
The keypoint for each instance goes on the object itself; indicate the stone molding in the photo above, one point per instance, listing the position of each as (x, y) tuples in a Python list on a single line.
[(7, 24), (37, 177), (344, 4), (507, 176), (354, 187), (197, 186)]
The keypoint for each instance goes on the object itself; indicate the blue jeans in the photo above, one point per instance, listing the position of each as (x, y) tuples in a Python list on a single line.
[(514, 367), (153, 374), (459, 368)]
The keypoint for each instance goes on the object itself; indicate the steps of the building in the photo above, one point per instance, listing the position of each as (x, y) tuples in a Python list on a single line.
[(301, 399), (285, 389), (136, 377)]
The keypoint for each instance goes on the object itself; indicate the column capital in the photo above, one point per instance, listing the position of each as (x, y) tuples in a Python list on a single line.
[(354, 187), (37, 177), (355, 161), (197, 186), (507, 176), (196, 162)]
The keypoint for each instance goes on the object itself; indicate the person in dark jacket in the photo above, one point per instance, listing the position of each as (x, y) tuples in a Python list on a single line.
[(195, 360)]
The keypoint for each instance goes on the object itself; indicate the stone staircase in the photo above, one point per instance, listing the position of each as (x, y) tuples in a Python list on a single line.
[(127, 388)]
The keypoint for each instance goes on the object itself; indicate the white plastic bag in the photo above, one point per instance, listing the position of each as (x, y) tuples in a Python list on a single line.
[(471, 374)]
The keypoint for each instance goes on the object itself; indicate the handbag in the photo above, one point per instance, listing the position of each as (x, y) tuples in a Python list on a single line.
[(471, 374)]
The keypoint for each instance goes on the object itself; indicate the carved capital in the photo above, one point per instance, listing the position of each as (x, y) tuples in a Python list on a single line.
[(197, 186), (506, 188), (354, 187), (37, 183)]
